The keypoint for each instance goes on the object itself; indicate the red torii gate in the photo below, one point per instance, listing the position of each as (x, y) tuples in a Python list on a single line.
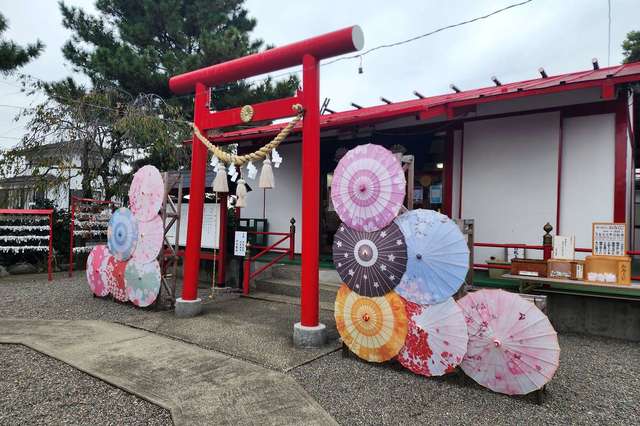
[(309, 52)]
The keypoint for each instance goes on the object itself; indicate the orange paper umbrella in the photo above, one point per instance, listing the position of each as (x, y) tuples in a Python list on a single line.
[(374, 328)]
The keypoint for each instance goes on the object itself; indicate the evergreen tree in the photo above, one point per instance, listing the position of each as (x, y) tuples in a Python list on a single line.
[(13, 56), (139, 45), (631, 47)]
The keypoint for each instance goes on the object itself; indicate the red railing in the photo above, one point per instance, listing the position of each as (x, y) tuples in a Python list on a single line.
[(546, 248), (74, 204), (286, 250)]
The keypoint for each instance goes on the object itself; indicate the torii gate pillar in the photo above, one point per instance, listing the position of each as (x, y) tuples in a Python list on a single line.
[(308, 53)]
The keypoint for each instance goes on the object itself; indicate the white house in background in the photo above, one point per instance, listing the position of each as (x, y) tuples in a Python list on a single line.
[(23, 190), (557, 149)]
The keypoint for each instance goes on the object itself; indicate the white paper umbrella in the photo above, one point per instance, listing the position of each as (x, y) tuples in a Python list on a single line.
[(438, 257), (513, 348), (368, 188), (437, 338), (150, 236)]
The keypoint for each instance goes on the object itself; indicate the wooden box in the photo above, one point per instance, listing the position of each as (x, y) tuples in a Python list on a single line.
[(565, 269), (529, 267), (608, 269)]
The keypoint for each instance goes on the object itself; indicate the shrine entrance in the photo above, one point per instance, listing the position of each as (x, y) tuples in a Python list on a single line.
[(308, 53)]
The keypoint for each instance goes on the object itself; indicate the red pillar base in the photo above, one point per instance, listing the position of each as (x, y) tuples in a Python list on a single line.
[(309, 337)]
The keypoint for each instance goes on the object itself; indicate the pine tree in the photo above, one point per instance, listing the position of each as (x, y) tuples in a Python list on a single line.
[(13, 56), (139, 45), (631, 47)]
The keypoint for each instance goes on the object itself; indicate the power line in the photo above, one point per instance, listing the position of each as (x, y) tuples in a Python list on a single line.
[(298, 71), (418, 37)]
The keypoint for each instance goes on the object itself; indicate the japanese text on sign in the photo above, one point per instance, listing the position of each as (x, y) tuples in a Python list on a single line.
[(609, 239)]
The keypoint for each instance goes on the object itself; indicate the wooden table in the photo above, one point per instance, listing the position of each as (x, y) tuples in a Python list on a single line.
[(582, 288)]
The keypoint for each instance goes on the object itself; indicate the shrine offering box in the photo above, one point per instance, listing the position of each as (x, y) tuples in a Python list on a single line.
[(565, 269), (608, 269), (529, 267)]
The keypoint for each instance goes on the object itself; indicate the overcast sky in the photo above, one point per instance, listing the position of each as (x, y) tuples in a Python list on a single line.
[(560, 35)]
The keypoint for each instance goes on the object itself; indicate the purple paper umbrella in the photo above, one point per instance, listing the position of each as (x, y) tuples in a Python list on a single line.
[(368, 188), (370, 263)]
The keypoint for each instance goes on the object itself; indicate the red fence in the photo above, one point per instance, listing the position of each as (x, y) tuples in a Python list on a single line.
[(546, 248), (283, 247), (74, 205)]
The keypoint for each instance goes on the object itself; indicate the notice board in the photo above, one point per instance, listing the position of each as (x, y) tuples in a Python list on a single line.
[(210, 227)]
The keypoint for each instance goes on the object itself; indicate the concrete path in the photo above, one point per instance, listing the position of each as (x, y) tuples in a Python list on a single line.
[(198, 386)]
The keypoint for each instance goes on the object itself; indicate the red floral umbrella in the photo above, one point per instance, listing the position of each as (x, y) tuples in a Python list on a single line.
[(437, 338)]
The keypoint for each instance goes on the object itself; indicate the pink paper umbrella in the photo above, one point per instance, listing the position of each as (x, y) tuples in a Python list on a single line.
[(368, 188), (95, 266), (513, 348), (149, 243), (437, 338), (113, 276), (146, 193)]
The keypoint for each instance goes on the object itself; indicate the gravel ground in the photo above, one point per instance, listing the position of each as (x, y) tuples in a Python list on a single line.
[(36, 389), (598, 382)]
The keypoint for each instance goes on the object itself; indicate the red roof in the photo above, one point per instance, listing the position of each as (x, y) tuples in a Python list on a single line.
[(444, 104)]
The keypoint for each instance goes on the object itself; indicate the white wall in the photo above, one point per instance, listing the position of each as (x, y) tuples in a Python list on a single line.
[(510, 179), (587, 175), (285, 200)]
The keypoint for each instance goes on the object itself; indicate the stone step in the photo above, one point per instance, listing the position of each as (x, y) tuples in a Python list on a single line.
[(291, 288), (291, 300), (292, 272)]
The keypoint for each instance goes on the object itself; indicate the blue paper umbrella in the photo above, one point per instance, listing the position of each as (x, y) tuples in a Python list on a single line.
[(122, 234), (438, 257)]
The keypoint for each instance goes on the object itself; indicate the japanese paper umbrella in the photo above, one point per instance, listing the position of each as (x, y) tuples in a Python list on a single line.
[(370, 263), (368, 187), (142, 281), (438, 257), (122, 234), (95, 266), (146, 193), (113, 276), (150, 235), (374, 328), (437, 338), (513, 348)]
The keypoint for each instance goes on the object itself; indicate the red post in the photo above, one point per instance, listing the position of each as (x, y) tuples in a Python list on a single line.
[(547, 242), (620, 162), (196, 201), (222, 241), (292, 238), (309, 296), (71, 229), (50, 245)]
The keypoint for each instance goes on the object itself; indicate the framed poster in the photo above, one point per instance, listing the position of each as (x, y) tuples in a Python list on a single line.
[(210, 227), (609, 239)]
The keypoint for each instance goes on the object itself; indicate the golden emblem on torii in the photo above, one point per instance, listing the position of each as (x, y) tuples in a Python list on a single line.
[(246, 113)]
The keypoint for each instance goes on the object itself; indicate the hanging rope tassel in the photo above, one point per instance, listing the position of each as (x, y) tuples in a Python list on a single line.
[(220, 182), (266, 175), (241, 193)]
